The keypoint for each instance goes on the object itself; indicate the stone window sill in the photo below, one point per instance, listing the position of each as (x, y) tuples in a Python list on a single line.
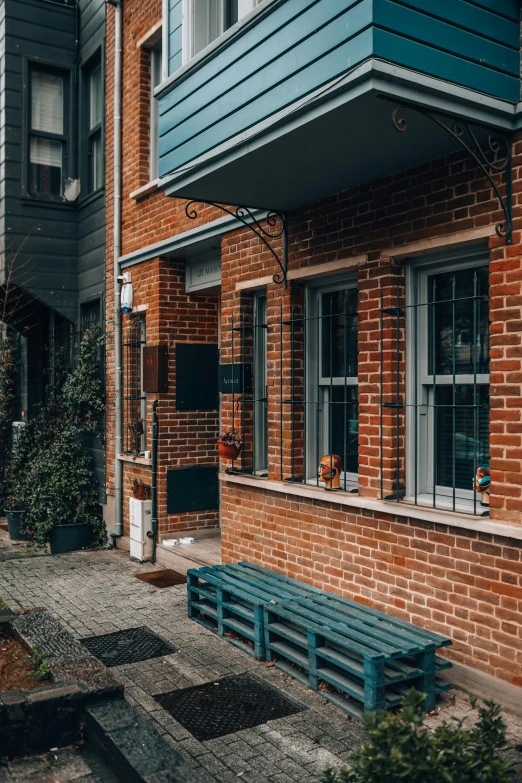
[(145, 190), (135, 460), (438, 517)]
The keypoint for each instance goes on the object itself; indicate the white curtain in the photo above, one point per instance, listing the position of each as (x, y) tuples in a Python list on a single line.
[(46, 152), (47, 102)]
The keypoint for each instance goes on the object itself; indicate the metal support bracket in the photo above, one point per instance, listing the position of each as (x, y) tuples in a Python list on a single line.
[(493, 157), (246, 217)]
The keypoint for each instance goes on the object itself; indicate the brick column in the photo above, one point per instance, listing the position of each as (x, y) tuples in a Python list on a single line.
[(506, 379), (374, 280)]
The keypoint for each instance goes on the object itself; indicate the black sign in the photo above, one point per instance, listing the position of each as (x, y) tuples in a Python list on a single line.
[(235, 378)]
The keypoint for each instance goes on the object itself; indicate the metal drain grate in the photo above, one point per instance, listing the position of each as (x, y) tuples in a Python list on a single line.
[(129, 646), (225, 706)]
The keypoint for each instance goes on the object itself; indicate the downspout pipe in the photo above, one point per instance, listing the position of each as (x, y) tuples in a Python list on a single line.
[(154, 494), (118, 370)]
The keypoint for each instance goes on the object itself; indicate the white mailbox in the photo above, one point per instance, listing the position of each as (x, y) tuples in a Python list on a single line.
[(140, 514)]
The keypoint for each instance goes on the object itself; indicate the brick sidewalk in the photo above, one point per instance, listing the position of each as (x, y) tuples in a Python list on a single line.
[(96, 592)]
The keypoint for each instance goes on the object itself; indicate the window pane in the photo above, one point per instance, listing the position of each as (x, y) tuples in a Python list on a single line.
[(464, 441), (47, 102), (231, 13), (342, 424), (461, 323), (339, 333), (95, 97), (45, 166), (96, 153)]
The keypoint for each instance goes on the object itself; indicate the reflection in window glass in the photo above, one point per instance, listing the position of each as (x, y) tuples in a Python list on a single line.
[(47, 102), (459, 324), (45, 166), (339, 333), (462, 438)]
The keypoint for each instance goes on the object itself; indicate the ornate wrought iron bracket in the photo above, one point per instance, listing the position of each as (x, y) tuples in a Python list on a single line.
[(493, 157), (247, 218)]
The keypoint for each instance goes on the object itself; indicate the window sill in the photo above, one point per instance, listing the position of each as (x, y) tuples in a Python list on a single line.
[(92, 196), (135, 460), (53, 202), (436, 516), (145, 190)]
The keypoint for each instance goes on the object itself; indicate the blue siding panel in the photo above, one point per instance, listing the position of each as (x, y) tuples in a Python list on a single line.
[(266, 73), (301, 45)]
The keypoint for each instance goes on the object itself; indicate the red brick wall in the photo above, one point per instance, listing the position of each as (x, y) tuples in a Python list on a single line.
[(460, 583), (171, 316), (466, 585), (185, 437)]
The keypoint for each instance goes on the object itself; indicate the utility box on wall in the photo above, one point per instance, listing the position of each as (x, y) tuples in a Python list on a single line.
[(156, 369), (197, 377), (192, 489), (140, 517)]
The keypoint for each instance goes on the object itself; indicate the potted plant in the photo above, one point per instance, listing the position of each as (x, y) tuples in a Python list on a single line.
[(229, 445), (15, 513)]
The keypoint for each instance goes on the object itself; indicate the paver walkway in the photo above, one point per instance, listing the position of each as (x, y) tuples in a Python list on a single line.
[(97, 592)]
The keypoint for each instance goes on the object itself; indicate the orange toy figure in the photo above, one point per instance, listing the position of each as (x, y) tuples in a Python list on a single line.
[(330, 471)]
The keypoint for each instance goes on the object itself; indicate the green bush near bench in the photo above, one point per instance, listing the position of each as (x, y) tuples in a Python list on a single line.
[(402, 750)]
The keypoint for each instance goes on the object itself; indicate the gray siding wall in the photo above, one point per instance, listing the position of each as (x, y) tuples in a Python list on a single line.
[(91, 224), (46, 266)]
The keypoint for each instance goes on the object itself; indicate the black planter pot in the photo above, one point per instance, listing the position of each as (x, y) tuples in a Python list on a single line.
[(14, 525), (69, 538)]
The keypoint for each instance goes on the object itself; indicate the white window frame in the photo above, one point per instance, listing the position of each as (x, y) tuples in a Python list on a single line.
[(260, 382), (417, 273), (156, 62), (189, 22), (314, 382)]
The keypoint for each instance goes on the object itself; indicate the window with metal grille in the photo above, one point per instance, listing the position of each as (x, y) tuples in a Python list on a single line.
[(314, 388), (447, 391), (135, 398)]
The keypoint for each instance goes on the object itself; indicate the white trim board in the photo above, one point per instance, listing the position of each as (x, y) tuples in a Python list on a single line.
[(450, 241), (437, 517), (307, 272)]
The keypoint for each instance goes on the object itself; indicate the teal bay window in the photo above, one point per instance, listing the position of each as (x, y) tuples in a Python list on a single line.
[(312, 80)]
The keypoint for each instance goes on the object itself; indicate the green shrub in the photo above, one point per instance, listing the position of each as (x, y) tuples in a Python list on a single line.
[(8, 378), (51, 473), (40, 666), (401, 750)]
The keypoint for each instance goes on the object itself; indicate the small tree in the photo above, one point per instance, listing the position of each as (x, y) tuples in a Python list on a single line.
[(51, 473), (402, 751)]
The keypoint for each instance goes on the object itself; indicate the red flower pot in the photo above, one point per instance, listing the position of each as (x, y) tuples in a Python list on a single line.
[(228, 452)]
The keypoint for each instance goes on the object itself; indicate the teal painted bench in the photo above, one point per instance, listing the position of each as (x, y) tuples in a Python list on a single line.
[(360, 658)]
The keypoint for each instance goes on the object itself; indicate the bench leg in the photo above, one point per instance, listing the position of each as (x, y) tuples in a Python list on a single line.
[(314, 642), (192, 581), (267, 619), (259, 642), (373, 686), (426, 662), (220, 596)]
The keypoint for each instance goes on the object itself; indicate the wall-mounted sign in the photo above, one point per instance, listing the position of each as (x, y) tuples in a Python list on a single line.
[(235, 378), (203, 273)]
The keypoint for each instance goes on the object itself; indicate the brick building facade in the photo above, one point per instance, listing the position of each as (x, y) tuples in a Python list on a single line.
[(425, 392)]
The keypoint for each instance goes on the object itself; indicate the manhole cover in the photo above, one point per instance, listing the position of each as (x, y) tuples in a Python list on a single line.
[(164, 578), (225, 706), (129, 646)]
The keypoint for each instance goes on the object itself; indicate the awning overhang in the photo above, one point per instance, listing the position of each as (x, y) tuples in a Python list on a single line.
[(339, 137)]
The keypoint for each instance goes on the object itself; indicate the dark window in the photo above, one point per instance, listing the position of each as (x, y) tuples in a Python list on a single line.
[(95, 138), (47, 133)]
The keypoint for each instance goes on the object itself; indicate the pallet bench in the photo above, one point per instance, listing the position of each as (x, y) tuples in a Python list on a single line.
[(361, 659)]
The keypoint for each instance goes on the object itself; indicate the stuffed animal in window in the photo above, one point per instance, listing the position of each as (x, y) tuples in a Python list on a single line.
[(329, 471), (482, 484)]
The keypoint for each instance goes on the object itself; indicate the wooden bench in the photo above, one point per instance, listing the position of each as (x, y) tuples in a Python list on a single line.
[(360, 658)]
